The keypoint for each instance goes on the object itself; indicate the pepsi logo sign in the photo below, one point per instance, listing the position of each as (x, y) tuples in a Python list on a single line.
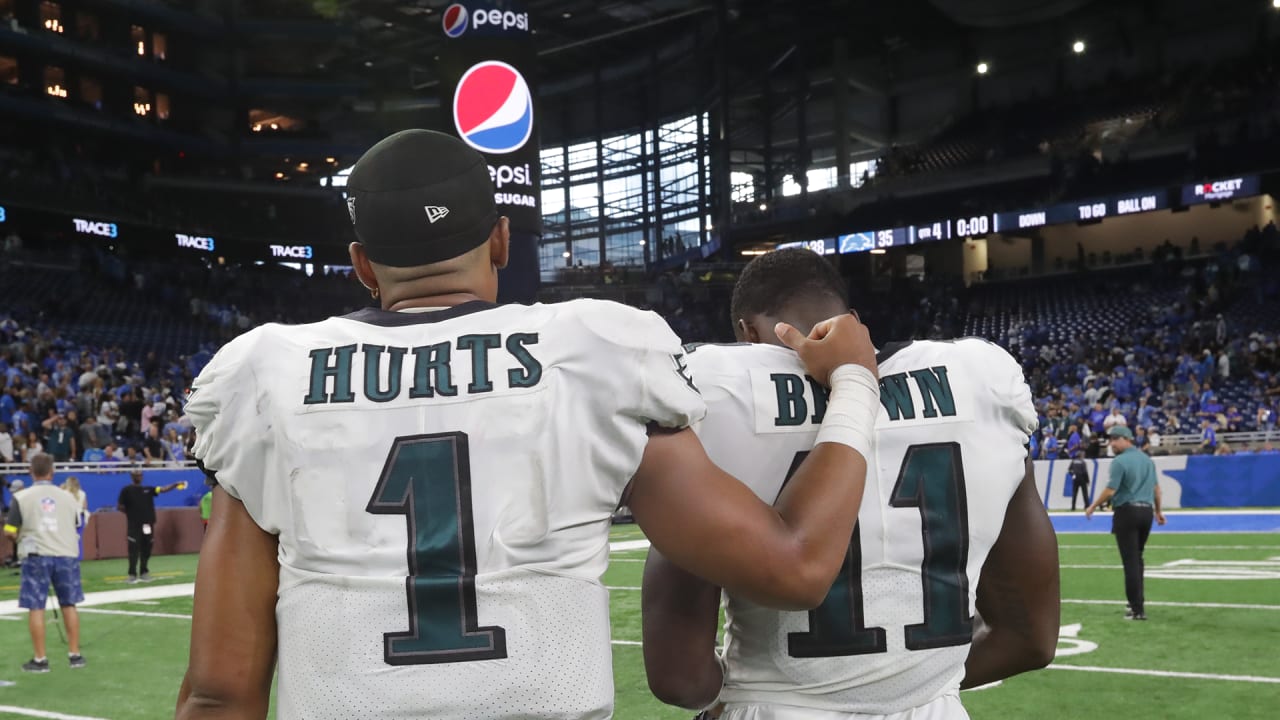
[(455, 20), (493, 108)]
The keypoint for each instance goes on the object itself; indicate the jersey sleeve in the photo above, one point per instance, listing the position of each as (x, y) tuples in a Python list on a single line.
[(644, 365), (1009, 388), (231, 432), (730, 418)]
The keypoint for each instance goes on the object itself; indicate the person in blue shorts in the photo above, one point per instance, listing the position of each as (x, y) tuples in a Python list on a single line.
[(42, 522)]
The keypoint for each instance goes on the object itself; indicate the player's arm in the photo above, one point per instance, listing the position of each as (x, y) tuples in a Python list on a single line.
[(785, 556), (167, 488), (1018, 596), (233, 625), (681, 613), (13, 521), (1104, 497)]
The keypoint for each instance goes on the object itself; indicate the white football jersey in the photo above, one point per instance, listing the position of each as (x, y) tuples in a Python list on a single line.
[(442, 485), (895, 629)]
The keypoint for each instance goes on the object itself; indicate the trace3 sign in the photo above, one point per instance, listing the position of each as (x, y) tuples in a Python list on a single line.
[(195, 242), (292, 252), (94, 227)]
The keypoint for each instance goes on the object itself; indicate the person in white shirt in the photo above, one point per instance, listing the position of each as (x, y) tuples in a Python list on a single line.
[(1115, 418), (6, 444)]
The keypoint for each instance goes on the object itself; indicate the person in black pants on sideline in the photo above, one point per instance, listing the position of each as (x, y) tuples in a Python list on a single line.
[(1135, 495), (138, 503), (1079, 471)]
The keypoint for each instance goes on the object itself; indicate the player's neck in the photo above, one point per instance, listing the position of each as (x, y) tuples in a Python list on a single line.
[(434, 301)]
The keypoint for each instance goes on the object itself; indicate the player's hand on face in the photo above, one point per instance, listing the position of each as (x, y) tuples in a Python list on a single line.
[(842, 340)]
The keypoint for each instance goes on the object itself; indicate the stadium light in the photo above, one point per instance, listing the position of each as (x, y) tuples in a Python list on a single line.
[(750, 253), (1078, 46), (983, 68), (566, 254), (764, 206), (1275, 4), (643, 243), (878, 251)]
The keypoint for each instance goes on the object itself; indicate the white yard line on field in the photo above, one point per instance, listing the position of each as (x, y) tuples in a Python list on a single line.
[(1224, 606), (1168, 673), (1112, 547), (28, 712), (135, 613), (112, 597)]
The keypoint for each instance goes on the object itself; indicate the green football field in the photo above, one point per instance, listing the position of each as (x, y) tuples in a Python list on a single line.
[(1210, 650)]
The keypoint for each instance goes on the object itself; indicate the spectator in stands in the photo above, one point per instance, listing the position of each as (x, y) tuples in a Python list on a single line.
[(152, 446), (1115, 418), (1223, 449), (34, 447), (1208, 438), (1090, 393), (111, 452), (6, 444), (94, 435), (131, 410), (22, 419), (1144, 413), (1074, 448), (1234, 419), (1097, 418), (60, 440), (174, 446), (1142, 441), (1050, 447)]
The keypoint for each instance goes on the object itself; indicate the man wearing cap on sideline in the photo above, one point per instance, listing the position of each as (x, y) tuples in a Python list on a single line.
[(412, 502), (43, 520), (1134, 492)]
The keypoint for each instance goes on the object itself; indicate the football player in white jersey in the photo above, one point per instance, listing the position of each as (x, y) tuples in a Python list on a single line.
[(950, 520), (413, 503)]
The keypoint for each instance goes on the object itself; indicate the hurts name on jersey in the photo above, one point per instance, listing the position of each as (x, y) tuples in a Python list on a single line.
[(932, 385), (385, 373)]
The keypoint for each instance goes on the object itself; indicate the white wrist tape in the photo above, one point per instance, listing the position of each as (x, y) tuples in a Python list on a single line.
[(852, 409)]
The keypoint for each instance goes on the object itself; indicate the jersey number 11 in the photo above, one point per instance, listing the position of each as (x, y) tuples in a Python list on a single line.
[(931, 480)]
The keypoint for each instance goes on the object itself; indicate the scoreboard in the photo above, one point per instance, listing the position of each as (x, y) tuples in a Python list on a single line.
[(1086, 211)]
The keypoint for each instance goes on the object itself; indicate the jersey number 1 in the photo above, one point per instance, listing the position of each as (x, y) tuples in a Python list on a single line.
[(931, 480), (427, 478)]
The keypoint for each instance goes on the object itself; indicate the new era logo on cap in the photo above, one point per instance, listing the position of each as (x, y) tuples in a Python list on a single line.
[(435, 213)]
